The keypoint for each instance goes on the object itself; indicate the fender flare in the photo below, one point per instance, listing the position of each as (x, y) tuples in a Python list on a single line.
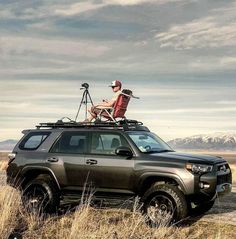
[(174, 177), (27, 169)]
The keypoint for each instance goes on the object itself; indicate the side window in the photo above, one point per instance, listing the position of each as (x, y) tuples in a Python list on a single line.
[(33, 140), (106, 143), (70, 142)]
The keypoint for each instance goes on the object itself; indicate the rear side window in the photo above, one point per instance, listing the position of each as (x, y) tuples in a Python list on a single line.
[(70, 143), (33, 140)]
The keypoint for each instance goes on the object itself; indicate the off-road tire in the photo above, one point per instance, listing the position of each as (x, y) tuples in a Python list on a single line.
[(171, 198), (44, 192)]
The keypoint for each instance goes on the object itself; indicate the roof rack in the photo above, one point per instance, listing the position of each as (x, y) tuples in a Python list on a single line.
[(122, 124)]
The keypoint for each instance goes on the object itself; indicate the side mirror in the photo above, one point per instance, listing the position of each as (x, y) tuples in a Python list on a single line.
[(124, 151)]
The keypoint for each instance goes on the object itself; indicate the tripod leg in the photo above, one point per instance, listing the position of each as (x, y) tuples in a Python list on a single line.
[(86, 104), (90, 99), (81, 102), (87, 95)]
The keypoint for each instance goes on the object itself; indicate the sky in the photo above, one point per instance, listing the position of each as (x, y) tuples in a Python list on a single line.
[(178, 56)]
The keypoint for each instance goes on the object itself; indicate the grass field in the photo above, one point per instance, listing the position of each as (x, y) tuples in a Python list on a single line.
[(87, 222)]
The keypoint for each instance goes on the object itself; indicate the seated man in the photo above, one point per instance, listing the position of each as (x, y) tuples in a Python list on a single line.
[(96, 109)]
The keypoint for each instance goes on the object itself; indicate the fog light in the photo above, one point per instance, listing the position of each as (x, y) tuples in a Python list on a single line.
[(204, 185)]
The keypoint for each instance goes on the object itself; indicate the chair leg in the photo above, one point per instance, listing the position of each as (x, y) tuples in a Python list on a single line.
[(99, 116), (110, 116)]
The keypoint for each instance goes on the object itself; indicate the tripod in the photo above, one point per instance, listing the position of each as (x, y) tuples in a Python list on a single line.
[(86, 98)]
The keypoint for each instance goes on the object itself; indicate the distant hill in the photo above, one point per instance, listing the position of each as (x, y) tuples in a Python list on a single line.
[(8, 145), (216, 142)]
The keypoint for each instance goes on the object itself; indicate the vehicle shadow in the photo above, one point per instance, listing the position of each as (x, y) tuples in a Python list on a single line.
[(224, 205)]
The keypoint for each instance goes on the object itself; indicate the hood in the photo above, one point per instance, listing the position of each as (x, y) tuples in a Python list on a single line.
[(197, 158)]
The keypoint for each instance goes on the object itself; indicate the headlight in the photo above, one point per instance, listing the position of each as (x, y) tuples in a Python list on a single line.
[(199, 168)]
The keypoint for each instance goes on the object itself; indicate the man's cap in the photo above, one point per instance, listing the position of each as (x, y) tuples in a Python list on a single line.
[(115, 83)]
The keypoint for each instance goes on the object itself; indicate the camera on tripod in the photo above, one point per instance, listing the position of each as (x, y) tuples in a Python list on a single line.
[(86, 99), (84, 86)]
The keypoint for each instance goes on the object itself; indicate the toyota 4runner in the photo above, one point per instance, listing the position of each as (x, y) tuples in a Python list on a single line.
[(54, 163)]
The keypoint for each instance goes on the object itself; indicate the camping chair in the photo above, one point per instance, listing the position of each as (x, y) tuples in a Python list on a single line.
[(120, 107)]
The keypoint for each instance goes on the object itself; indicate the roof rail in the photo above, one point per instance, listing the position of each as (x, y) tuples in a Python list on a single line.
[(125, 124)]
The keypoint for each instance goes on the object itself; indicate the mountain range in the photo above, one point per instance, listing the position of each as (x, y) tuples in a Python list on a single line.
[(8, 145), (211, 142)]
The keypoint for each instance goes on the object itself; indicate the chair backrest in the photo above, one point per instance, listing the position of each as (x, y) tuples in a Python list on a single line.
[(121, 104)]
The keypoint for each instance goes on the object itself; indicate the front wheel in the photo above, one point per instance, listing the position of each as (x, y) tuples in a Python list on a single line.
[(164, 204)]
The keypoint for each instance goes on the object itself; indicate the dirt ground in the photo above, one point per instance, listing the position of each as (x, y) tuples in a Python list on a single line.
[(224, 210)]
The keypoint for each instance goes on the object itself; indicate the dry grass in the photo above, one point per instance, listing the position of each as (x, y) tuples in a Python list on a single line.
[(88, 223), (9, 205), (233, 168), (3, 160)]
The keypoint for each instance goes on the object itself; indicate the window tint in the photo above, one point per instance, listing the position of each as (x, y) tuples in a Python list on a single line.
[(33, 140), (70, 142), (105, 143)]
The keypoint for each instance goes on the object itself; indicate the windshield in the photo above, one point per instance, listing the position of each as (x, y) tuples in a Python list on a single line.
[(148, 142)]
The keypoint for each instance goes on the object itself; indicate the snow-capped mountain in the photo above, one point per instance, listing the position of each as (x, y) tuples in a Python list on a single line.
[(216, 142), (8, 145)]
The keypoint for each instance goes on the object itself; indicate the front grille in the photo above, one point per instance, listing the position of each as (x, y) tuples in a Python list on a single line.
[(227, 178)]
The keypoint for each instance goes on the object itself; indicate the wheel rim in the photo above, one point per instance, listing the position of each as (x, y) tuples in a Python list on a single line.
[(36, 198), (160, 210)]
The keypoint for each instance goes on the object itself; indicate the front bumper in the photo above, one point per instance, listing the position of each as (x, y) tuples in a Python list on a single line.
[(209, 186)]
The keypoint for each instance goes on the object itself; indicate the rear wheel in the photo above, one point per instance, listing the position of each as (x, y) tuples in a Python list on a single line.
[(40, 196), (164, 204)]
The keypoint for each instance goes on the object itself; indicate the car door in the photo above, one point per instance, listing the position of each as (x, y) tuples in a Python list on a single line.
[(69, 155), (106, 170)]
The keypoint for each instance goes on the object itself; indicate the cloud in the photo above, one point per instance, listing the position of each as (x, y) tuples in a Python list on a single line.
[(216, 30), (136, 2), (185, 110), (25, 10), (47, 10), (229, 61), (27, 45), (5, 13), (226, 102), (209, 63), (77, 8)]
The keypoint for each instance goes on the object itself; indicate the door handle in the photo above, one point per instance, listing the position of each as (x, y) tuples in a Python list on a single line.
[(91, 161), (52, 160)]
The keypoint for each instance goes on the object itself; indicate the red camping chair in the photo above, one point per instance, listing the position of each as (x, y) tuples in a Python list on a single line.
[(120, 107)]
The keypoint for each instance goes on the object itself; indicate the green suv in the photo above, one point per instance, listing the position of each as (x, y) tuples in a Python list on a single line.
[(55, 163)]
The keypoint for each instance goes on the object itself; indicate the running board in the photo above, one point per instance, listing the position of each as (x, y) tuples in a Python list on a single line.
[(99, 200)]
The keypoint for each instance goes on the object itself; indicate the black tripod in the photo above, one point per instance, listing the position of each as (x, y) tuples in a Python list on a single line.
[(85, 100)]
